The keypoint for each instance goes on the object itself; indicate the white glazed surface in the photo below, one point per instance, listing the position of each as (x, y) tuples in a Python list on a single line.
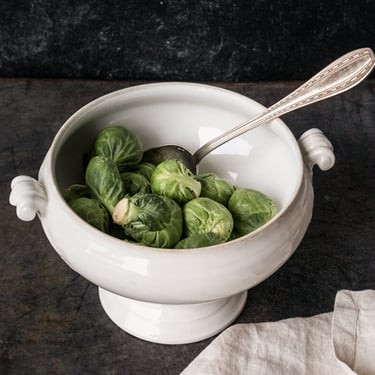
[(267, 158)]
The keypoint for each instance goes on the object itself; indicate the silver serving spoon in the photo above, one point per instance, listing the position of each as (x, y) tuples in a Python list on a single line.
[(339, 76)]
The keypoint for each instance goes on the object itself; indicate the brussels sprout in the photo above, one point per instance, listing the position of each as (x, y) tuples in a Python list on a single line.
[(104, 180), (92, 211), (76, 191), (215, 188), (173, 180), (145, 169), (151, 219), (198, 240), (120, 145), (135, 183), (87, 157), (250, 209), (204, 215)]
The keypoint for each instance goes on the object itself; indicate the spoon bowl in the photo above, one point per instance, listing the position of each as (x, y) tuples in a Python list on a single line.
[(168, 152)]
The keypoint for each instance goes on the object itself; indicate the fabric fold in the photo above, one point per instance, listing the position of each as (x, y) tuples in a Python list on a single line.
[(353, 330), (342, 342)]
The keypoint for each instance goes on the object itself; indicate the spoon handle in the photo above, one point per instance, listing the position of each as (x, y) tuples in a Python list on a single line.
[(339, 76)]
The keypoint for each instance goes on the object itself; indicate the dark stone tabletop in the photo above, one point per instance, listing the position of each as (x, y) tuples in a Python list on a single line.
[(51, 321)]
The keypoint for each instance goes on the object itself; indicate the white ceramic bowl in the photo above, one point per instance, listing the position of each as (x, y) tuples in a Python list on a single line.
[(178, 296)]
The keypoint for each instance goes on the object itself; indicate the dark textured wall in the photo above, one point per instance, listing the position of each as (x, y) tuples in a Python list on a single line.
[(222, 40)]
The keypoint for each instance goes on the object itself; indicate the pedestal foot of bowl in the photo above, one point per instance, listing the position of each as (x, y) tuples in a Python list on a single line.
[(169, 323)]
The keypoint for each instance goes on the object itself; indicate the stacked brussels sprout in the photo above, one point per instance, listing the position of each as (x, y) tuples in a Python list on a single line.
[(162, 205)]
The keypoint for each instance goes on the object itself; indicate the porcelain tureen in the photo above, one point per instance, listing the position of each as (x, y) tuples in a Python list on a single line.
[(178, 296)]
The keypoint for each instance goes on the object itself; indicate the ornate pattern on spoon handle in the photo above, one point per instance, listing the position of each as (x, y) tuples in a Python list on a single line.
[(341, 75)]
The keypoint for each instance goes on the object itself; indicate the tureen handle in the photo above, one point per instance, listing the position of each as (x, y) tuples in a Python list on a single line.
[(29, 196), (317, 149)]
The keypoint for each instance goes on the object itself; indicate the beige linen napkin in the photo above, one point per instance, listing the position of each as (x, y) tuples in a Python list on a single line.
[(337, 343)]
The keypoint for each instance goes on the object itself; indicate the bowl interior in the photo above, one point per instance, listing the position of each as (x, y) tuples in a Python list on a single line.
[(266, 158)]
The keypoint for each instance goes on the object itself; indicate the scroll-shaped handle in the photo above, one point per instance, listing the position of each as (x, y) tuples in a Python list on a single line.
[(339, 76), (29, 196), (316, 149)]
